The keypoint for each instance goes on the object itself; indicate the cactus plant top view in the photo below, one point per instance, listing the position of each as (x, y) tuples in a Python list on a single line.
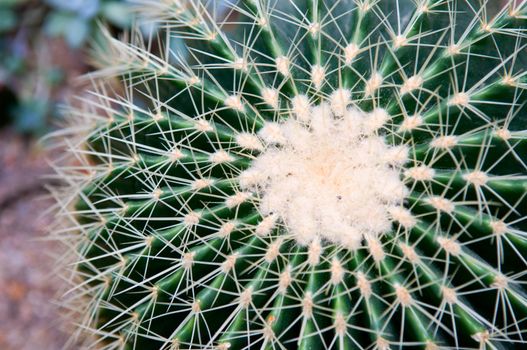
[(302, 174)]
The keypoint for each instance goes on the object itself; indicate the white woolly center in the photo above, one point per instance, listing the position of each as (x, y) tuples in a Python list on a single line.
[(329, 177)]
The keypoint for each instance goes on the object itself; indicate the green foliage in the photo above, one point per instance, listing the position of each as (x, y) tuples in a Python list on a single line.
[(180, 237), (75, 20), (30, 73)]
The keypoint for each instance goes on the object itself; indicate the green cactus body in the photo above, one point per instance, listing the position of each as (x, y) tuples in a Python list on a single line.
[(313, 174)]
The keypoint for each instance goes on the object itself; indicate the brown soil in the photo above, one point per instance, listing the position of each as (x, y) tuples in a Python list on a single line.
[(29, 319)]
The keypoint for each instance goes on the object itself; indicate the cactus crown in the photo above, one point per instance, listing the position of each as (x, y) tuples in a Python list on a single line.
[(304, 174)]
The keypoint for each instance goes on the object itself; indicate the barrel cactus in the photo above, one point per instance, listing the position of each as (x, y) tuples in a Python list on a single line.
[(303, 174)]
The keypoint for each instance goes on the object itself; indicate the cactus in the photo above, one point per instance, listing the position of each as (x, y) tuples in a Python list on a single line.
[(303, 174)]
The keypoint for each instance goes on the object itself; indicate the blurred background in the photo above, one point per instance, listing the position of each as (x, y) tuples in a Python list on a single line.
[(44, 49)]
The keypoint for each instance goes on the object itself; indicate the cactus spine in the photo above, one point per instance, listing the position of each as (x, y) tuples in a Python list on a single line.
[(305, 174)]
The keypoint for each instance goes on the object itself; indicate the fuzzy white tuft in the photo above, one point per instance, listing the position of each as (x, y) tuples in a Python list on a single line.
[(444, 142), (273, 250), (340, 99), (476, 178), (234, 102), (318, 75), (220, 157), (249, 141), (333, 178), (498, 227), (373, 84), (240, 64), (503, 134), (449, 295), (411, 123), (250, 178), (282, 65), (403, 295), (340, 324), (410, 254), (229, 263), (226, 229), (203, 125), (284, 280), (400, 41), (460, 99), (337, 272), (364, 285), (376, 120), (237, 199), (272, 133), (175, 155), (441, 204), (266, 225), (314, 28), (449, 245), (192, 219), (200, 184), (420, 173), (350, 52), (307, 305), (403, 216), (301, 108), (411, 84), (271, 97)]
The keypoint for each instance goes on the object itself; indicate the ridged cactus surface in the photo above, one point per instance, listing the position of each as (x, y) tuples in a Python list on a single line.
[(304, 174)]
